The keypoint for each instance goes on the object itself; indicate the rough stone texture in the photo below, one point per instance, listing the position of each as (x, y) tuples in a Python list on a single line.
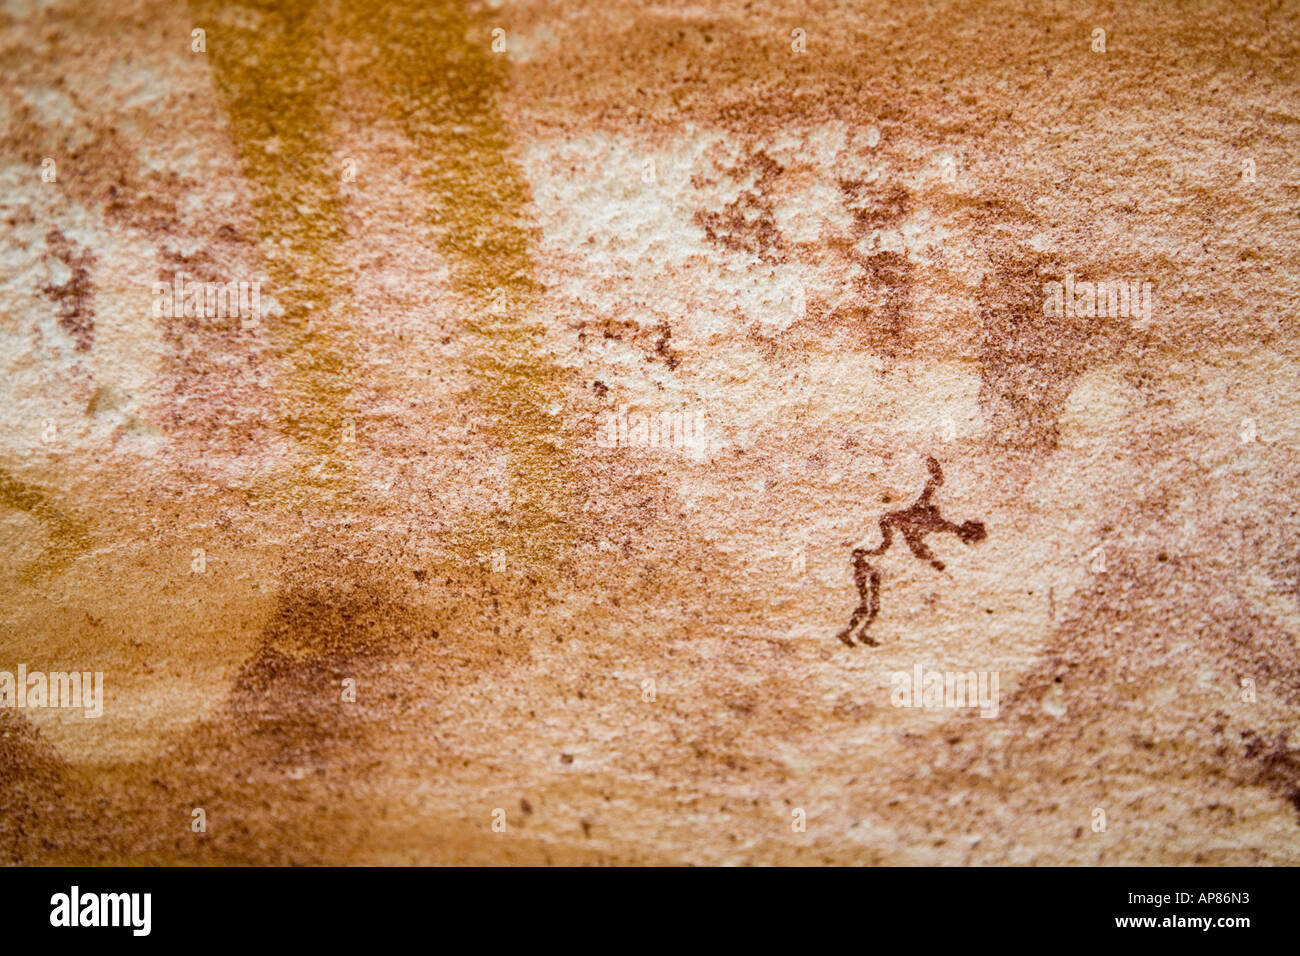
[(834, 259)]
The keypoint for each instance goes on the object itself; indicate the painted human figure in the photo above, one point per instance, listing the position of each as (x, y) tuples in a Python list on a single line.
[(913, 523)]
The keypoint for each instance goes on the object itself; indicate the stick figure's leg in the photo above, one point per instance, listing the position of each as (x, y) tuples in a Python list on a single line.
[(867, 580), (846, 635), (873, 608)]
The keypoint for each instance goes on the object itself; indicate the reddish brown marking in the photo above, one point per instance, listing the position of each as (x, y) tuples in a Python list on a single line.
[(74, 297), (913, 523)]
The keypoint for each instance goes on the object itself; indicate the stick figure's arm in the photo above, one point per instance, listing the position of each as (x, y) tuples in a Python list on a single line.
[(935, 482), (918, 548)]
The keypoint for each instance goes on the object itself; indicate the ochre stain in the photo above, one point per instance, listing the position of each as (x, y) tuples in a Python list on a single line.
[(442, 80), (437, 72), (273, 77), (68, 537)]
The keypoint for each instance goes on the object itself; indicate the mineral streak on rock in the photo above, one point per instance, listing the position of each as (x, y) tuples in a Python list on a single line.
[(440, 78), (276, 80)]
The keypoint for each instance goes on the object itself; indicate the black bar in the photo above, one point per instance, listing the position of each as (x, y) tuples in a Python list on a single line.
[(333, 907)]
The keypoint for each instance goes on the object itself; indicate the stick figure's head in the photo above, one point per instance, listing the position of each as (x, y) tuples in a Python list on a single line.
[(971, 531)]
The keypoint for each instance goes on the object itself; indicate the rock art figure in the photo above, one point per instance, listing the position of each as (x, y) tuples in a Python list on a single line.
[(913, 523)]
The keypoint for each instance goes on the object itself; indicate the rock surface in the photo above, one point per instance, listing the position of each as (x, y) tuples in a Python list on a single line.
[(490, 263)]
